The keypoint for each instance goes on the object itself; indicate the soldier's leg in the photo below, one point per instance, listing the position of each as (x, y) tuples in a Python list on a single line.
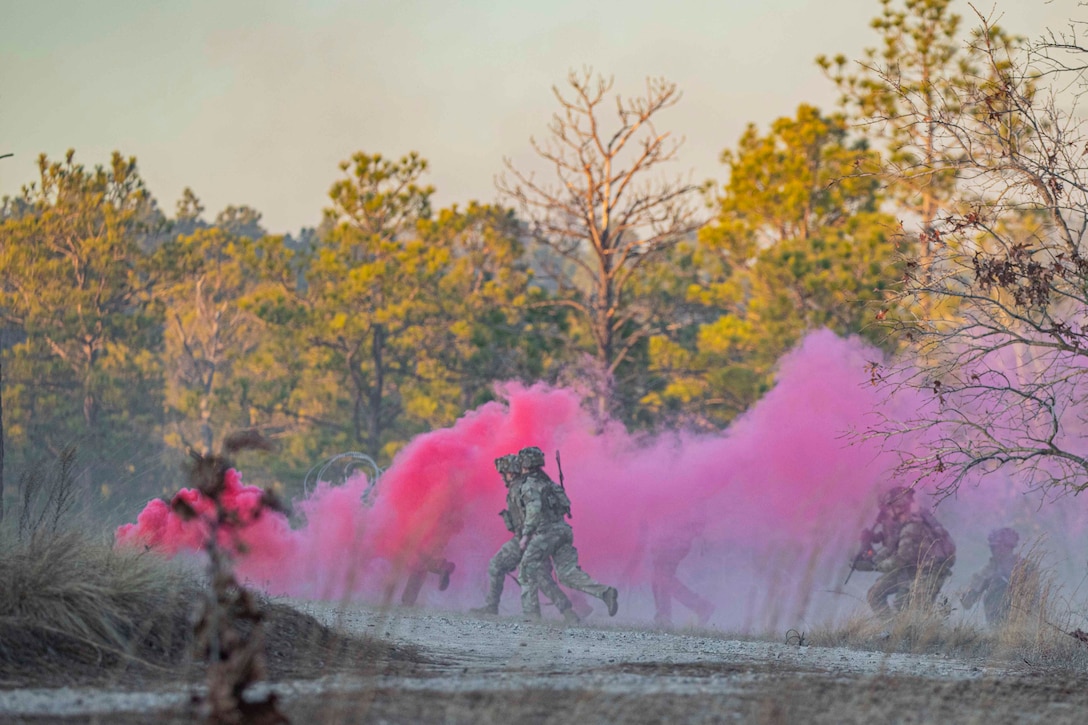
[(565, 557), (412, 586), (661, 586), (910, 592), (692, 600), (502, 563), (927, 585), (533, 568), (554, 594), (443, 568), (579, 603), (997, 603), (884, 587)]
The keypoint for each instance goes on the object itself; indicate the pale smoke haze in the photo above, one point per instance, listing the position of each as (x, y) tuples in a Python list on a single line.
[(781, 496)]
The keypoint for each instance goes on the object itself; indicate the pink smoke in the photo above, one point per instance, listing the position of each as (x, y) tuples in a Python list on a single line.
[(267, 539), (777, 501)]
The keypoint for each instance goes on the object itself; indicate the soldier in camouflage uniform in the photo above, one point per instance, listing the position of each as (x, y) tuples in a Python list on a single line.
[(508, 557), (546, 535), (428, 565), (1005, 575), (911, 549), (668, 550)]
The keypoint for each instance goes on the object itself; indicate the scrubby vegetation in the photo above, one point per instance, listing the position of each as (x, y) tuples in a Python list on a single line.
[(71, 599), (75, 609), (1041, 630)]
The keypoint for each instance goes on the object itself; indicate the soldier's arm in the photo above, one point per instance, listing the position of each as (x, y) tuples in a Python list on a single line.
[(884, 560), (979, 583), (533, 504), (889, 558)]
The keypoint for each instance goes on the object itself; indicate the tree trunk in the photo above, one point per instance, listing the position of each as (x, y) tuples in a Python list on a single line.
[(375, 413), (1, 433)]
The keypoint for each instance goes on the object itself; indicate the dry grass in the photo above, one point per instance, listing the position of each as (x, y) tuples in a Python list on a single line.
[(65, 590), (1038, 631), (74, 611)]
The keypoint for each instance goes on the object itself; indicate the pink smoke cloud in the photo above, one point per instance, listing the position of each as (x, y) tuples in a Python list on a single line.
[(776, 502)]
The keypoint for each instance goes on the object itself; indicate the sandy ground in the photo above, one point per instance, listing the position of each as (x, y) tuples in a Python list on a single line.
[(484, 670)]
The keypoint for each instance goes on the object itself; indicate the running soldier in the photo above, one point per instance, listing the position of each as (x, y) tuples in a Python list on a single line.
[(911, 549), (508, 557), (1005, 576), (545, 535), (442, 567), (668, 550)]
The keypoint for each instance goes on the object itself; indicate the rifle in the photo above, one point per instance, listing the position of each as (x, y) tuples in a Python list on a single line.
[(865, 552), (559, 465)]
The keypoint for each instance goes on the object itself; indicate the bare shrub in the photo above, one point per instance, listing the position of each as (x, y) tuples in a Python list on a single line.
[(228, 629), (48, 495)]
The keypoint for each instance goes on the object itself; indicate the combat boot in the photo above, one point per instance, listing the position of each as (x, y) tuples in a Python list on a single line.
[(570, 617), (444, 572), (611, 600), (485, 610)]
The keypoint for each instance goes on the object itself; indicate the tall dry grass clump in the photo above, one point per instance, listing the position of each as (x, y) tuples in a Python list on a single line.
[(69, 599), (66, 593), (1043, 626)]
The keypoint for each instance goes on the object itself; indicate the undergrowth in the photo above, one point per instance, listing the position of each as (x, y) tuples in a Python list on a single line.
[(1041, 629), (67, 592)]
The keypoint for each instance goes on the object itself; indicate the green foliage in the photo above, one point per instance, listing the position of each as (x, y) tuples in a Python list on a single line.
[(800, 242), (133, 332), (396, 320), (908, 89), (74, 284), (492, 324), (205, 280)]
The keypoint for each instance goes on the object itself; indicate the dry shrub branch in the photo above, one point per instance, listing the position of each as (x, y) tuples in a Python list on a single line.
[(235, 653)]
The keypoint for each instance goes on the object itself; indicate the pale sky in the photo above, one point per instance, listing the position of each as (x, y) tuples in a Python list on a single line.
[(257, 101)]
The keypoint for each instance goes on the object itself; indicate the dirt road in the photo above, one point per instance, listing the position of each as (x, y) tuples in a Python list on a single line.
[(506, 670)]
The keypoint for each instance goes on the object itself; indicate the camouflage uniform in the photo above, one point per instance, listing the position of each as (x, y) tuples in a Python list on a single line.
[(1004, 576), (668, 552), (442, 567), (509, 555), (546, 534), (916, 555)]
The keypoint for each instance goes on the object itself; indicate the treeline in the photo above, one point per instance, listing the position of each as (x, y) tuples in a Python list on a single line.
[(132, 332), (127, 329)]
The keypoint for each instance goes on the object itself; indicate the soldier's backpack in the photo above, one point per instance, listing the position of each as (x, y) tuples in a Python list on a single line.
[(942, 548), (556, 502)]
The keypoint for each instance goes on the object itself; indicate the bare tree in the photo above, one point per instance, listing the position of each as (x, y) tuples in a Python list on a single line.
[(1002, 358), (607, 212)]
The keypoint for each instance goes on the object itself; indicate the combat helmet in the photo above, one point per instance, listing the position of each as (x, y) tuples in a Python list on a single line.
[(1005, 537), (531, 457), (896, 494), (508, 463)]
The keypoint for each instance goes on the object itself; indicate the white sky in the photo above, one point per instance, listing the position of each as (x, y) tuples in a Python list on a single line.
[(257, 101)]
